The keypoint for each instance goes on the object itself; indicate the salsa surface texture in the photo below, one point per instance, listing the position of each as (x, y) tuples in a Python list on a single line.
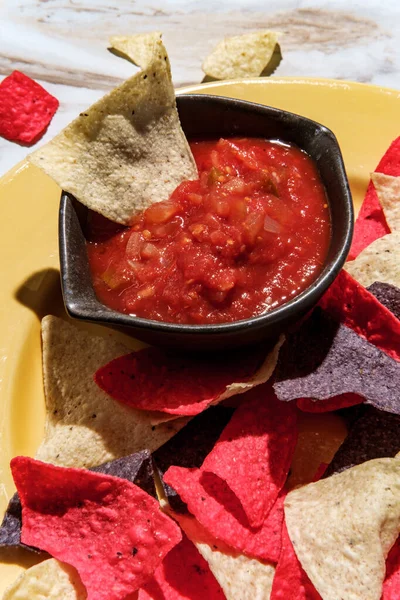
[(250, 234)]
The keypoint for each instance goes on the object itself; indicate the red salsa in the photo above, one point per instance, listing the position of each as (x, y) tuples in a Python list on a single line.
[(250, 234)]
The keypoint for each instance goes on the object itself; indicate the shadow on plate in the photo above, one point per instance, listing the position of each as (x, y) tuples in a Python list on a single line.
[(19, 556), (41, 293)]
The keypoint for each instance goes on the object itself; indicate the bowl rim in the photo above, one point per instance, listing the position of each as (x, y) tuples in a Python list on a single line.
[(307, 297)]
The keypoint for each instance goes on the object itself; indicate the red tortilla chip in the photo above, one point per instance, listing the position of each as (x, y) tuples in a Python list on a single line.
[(255, 451), (390, 162), (183, 575), (391, 585), (371, 223), (354, 306), (291, 581), (153, 379), (320, 471), (26, 109), (110, 530), (329, 405), (219, 511)]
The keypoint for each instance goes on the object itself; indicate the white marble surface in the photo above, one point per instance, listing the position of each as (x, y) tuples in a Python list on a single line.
[(63, 43)]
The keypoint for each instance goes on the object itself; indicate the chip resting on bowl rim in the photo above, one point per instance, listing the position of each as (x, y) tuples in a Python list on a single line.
[(126, 151)]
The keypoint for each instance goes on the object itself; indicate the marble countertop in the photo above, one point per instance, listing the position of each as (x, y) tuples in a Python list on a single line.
[(63, 43)]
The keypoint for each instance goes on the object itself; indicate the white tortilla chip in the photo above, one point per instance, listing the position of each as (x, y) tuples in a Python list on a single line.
[(388, 190), (261, 376), (380, 261), (128, 150), (240, 577), (343, 527), (241, 55), (137, 48), (49, 580), (84, 426)]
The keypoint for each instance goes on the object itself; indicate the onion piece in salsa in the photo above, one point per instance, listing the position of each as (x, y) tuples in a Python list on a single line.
[(250, 234)]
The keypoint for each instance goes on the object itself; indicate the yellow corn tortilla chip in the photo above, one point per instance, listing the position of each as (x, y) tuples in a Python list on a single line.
[(128, 150), (378, 262), (343, 527), (319, 438), (50, 580), (137, 48), (84, 426), (240, 577), (241, 55), (388, 190)]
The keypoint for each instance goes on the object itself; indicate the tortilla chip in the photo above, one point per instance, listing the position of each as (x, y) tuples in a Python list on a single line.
[(388, 295), (241, 55), (342, 528), (137, 48), (175, 382), (49, 579), (254, 452), (319, 438), (189, 447), (391, 585), (371, 223), (388, 190), (125, 152), (352, 305), (183, 575), (320, 472), (84, 428), (10, 529), (240, 577), (378, 262), (26, 109), (336, 403), (110, 530), (179, 384), (136, 468), (323, 359), (262, 375), (219, 511), (375, 434), (291, 581), (390, 162)]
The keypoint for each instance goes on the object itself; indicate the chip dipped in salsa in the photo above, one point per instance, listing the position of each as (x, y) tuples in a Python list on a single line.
[(247, 236)]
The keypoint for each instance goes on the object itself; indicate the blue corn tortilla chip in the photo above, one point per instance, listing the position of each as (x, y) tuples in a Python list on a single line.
[(388, 295), (137, 468), (376, 434), (189, 447), (323, 359), (10, 529)]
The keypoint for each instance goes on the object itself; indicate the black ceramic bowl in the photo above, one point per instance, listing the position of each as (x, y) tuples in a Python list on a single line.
[(204, 117)]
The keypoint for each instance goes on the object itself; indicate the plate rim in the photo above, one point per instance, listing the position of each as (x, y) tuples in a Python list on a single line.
[(285, 82)]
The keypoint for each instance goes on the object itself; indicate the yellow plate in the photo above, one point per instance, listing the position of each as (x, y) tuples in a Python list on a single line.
[(365, 120)]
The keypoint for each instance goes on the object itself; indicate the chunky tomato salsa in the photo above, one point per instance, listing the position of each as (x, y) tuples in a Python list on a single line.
[(250, 234)]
